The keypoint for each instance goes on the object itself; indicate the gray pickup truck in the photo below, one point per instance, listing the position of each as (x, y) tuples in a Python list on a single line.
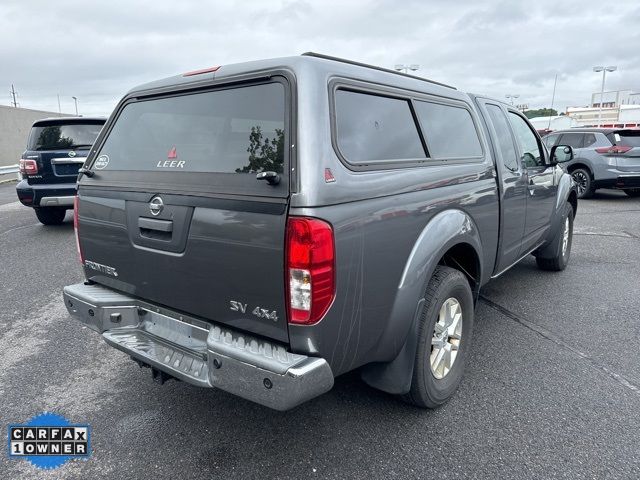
[(267, 226)]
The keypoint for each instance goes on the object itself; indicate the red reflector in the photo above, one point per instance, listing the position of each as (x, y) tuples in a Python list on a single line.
[(328, 176), (310, 269), (204, 70), (172, 153), (76, 225)]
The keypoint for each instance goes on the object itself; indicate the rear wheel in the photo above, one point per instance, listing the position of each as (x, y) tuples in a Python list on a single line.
[(582, 177), (556, 255), (444, 335), (632, 192), (50, 215)]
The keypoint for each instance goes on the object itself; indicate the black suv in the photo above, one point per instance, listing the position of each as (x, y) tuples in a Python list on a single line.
[(56, 149)]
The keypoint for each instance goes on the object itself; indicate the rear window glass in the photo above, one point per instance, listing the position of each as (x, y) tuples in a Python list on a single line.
[(372, 128), (628, 138), (60, 136), (239, 130), (589, 139), (449, 131), (573, 140)]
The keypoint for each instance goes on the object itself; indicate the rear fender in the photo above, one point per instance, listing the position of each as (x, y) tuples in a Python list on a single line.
[(399, 340)]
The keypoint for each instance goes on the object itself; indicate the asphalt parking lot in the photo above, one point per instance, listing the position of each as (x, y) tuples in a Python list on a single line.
[(552, 388)]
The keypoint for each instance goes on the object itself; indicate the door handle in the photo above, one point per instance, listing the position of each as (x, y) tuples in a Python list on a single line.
[(154, 224)]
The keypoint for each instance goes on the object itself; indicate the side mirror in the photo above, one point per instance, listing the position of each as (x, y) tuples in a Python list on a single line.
[(561, 154)]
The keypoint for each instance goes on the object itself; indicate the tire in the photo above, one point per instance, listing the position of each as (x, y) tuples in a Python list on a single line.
[(50, 215), (427, 390), (555, 257), (632, 192), (582, 177)]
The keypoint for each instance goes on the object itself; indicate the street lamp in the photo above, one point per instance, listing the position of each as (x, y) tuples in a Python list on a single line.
[(512, 97), (405, 68), (75, 99), (604, 71)]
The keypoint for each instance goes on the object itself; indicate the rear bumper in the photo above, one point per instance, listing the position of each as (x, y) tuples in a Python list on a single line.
[(46, 195), (628, 181), (198, 352), (621, 181)]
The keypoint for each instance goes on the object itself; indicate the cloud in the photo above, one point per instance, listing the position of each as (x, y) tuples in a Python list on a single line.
[(98, 50)]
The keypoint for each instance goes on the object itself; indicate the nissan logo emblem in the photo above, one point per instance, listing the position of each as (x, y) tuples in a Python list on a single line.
[(156, 205)]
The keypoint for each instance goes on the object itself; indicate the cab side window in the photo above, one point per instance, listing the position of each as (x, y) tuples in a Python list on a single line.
[(530, 152)]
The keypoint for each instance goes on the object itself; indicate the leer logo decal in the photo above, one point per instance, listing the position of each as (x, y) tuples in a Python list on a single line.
[(172, 160)]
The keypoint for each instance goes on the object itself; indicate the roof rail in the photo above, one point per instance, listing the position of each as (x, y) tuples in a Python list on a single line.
[(373, 67)]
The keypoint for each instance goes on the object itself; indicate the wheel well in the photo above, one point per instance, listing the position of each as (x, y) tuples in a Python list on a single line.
[(575, 166), (463, 257), (573, 200)]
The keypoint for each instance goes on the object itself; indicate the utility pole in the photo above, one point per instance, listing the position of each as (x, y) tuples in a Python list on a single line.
[(59, 109), (553, 98), (604, 71), (13, 94)]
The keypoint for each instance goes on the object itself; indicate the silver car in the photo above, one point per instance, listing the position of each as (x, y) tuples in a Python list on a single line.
[(603, 158)]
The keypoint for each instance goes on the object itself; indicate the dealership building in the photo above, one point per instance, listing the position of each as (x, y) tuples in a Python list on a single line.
[(620, 109)]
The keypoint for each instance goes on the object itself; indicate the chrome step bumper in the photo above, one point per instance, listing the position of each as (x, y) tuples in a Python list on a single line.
[(198, 352)]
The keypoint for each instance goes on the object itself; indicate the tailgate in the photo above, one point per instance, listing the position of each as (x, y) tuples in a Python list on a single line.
[(175, 215), (627, 146)]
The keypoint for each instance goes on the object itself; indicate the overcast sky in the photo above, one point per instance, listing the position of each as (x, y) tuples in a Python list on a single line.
[(97, 50)]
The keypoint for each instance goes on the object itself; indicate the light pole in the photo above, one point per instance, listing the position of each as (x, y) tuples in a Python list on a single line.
[(512, 97), (604, 71), (75, 99), (405, 68)]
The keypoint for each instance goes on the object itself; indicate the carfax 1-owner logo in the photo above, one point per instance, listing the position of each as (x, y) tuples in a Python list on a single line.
[(49, 440)]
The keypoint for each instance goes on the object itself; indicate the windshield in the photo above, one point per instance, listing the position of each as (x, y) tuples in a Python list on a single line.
[(231, 131), (61, 136)]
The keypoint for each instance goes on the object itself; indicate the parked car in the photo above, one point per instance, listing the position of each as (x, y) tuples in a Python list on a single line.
[(56, 149), (267, 226), (603, 158)]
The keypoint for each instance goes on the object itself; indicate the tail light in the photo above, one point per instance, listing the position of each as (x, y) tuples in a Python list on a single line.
[(310, 269), (28, 167), (613, 150), (76, 224)]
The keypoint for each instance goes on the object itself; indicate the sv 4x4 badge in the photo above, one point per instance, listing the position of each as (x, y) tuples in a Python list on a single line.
[(258, 311)]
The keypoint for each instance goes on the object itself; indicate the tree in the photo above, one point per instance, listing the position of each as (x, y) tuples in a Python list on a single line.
[(541, 112), (264, 155), (51, 137)]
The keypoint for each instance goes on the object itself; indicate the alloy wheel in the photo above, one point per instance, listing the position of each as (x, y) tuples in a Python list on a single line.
[(445, 342), (581, 180)]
